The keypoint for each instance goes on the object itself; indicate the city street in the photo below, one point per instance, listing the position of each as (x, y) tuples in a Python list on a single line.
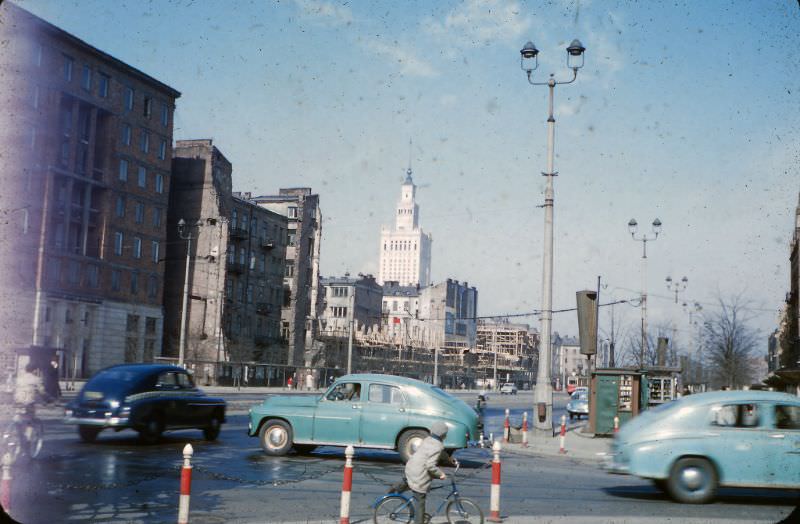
[(119, 480)]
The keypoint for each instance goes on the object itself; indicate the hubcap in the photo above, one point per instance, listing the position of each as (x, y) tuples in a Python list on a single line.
[(276, 437), (692, 478)]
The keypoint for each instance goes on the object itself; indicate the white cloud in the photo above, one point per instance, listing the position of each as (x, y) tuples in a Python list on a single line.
[(325, 12), (406, 59), (481, 22), (448, 100)]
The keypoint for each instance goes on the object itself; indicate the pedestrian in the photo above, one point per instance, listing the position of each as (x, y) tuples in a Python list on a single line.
[(51, 385), (423, 466), (289, 383)]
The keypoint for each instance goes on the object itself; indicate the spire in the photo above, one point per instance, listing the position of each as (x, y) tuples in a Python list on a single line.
[(408, 171)]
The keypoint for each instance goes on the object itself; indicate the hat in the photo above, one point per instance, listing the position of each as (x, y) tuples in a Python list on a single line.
[(439, 429)]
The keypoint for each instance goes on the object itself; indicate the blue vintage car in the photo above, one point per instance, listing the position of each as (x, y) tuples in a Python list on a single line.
[(368, 411), (691, 446)]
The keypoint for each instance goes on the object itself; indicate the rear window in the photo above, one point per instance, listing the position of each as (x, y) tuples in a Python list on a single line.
[(114, 380)]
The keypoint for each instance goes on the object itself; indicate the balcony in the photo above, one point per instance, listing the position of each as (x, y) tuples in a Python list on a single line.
[(238, 232), (267, 243), (235, 267)]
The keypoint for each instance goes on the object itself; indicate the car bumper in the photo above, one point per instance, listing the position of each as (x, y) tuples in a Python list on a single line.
[(109, 422), (611, 464)]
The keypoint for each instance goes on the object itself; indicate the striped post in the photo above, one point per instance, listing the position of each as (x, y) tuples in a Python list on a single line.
[(524, 429), (494, 501), (186, 485), (562, 437), (347, 486), (5, 483), (616, 424), (506, 428)]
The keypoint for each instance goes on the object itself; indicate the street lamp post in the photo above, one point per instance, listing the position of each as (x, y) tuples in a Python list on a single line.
[(186, 234), (543, 392), (676, 287), (644, 239)]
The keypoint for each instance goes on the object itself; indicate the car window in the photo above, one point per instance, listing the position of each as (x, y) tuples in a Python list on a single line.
[(384, 394), (185, 380), (787, 417), (345, 391), (736, 416), (167, 380)]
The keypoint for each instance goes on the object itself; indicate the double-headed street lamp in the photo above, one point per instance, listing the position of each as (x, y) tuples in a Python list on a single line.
[(185, 232), (543, 392), (644, 239), (676, 286)]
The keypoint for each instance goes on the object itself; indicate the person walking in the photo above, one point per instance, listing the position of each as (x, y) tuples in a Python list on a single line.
[(423, 467)]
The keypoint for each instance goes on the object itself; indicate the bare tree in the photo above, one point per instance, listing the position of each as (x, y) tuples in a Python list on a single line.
[(728, 343)]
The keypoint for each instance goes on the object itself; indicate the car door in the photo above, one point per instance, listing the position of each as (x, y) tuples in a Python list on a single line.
[(383, 416), (740, 444), (169, 401), (337, 415), (786, 436), (195, 410)]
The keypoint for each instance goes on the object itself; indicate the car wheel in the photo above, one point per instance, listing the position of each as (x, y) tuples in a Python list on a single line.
[(88, 433), (409, 442), (693, 480), (211, 432), (153, 428), (275, 437)]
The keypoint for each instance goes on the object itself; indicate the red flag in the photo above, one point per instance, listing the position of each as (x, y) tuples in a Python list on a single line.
[(396, 320)]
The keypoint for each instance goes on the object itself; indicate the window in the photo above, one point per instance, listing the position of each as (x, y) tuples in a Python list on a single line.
[(152, 287), (787, 417), (137, 247), (385, 394), (115, 279), (126, 134), (102, 85), (736, 416), (142, 173), (148, 106), (164, 114), (92, 273), (154, 249), (339, 311), (134, 283), (150, 325), (74, 272), (86, 78), (68, 62), (35, 97), (157, 217), (38, 59), (292, 238), (340, 291), (123, 170), (348, 391), (139, 212), (118, 239), (289, 268), (144, 142), (162, 149), (128, 98), (159, 184), (292, 212), (120, 209), (132, 324), (263, 263)]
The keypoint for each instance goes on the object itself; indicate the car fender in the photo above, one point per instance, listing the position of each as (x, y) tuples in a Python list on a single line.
[(654, 458)]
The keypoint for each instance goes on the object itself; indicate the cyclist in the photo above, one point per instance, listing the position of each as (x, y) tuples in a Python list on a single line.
[(422, 467), (29, 388)]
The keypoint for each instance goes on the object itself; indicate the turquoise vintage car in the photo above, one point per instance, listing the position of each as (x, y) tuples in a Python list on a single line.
[(691, 446), (365, 410)]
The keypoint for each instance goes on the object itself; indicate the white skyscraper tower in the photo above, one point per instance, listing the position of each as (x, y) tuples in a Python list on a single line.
[(406, 250)]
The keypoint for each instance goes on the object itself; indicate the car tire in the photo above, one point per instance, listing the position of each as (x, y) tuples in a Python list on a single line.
[(275, 437), (693, 480), (152, 430), (409, 441), (88, 433), (211, 431)]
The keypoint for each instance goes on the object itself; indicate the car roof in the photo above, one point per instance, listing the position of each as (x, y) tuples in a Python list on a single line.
[(738, 396), (145, 368), (379, 377)]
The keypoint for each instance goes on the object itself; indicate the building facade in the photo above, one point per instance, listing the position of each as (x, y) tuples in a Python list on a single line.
[(450, 309), (405, 251), (92, 137), (236, 265), (347, 299), (507, 352), (301, 299)]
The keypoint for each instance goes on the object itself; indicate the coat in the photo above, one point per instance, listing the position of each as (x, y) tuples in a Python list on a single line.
[(422, 467), (28, 387)]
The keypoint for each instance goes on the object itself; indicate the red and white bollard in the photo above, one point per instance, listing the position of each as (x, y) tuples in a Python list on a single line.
[(5, 483), (616, 424), (506, 428), (347, 486), (524, 429), (494, 501), (186, 485), (563, 435)]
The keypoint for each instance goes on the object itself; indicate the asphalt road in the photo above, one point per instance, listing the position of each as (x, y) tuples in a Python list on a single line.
[(119, 480)]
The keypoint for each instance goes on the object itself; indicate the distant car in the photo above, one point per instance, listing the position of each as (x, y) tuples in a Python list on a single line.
[(693, 445), (363, 410), (148, 398), (509, 388), (578, 404)]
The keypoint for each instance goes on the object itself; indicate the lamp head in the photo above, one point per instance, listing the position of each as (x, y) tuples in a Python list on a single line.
[(528, 57), (633, 226), (656, 226), (575, 54)]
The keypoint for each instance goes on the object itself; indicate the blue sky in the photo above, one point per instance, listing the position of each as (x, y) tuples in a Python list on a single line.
[(687, 111)]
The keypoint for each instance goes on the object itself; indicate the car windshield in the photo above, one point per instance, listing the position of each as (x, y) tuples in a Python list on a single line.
[(580, 395), (114, 380)]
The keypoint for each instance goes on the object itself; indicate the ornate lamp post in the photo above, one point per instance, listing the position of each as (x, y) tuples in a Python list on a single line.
[(543, 392), (644, 239)]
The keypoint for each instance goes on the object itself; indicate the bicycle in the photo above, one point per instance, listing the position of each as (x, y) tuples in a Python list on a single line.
[(397, 507), (23, 435)]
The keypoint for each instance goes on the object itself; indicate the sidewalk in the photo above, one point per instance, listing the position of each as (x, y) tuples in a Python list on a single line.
[(585, 448)]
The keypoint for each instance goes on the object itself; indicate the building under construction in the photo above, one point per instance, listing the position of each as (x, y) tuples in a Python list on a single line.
[(506, 352)]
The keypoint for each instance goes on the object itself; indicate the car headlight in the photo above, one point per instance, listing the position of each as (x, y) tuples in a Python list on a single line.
[(67, 412), (114, 404)]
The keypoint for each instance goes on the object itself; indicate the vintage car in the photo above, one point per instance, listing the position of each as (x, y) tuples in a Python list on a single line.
[(690, 446), (149, 398), (365, 410), (578, 404), (509, 388)]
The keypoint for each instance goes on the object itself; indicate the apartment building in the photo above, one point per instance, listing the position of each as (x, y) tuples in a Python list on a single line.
[(346, 299), (88, 175), (450, 309)]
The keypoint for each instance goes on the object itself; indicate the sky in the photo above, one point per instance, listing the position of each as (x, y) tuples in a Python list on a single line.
[(685, 111)]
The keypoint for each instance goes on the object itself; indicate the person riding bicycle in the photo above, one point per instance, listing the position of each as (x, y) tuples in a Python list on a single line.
[(423, 467), (29, 388)]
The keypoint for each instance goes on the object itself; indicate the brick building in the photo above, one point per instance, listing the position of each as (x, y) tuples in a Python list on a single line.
[(88, 148)]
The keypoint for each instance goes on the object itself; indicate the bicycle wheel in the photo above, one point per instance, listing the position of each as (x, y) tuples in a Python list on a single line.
[(394, 508), (35, 437), (10, 438), (463, 511)]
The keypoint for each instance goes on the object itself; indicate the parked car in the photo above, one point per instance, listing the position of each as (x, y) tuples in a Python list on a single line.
[(691, 446), (363, 410), (578, 404), (509, 388), (148, 398)]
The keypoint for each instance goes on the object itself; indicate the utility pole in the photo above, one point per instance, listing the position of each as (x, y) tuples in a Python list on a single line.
[(350, 331)]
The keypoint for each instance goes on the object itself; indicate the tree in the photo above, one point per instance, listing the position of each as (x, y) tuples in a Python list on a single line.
[(632, 354), (728, 343)]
